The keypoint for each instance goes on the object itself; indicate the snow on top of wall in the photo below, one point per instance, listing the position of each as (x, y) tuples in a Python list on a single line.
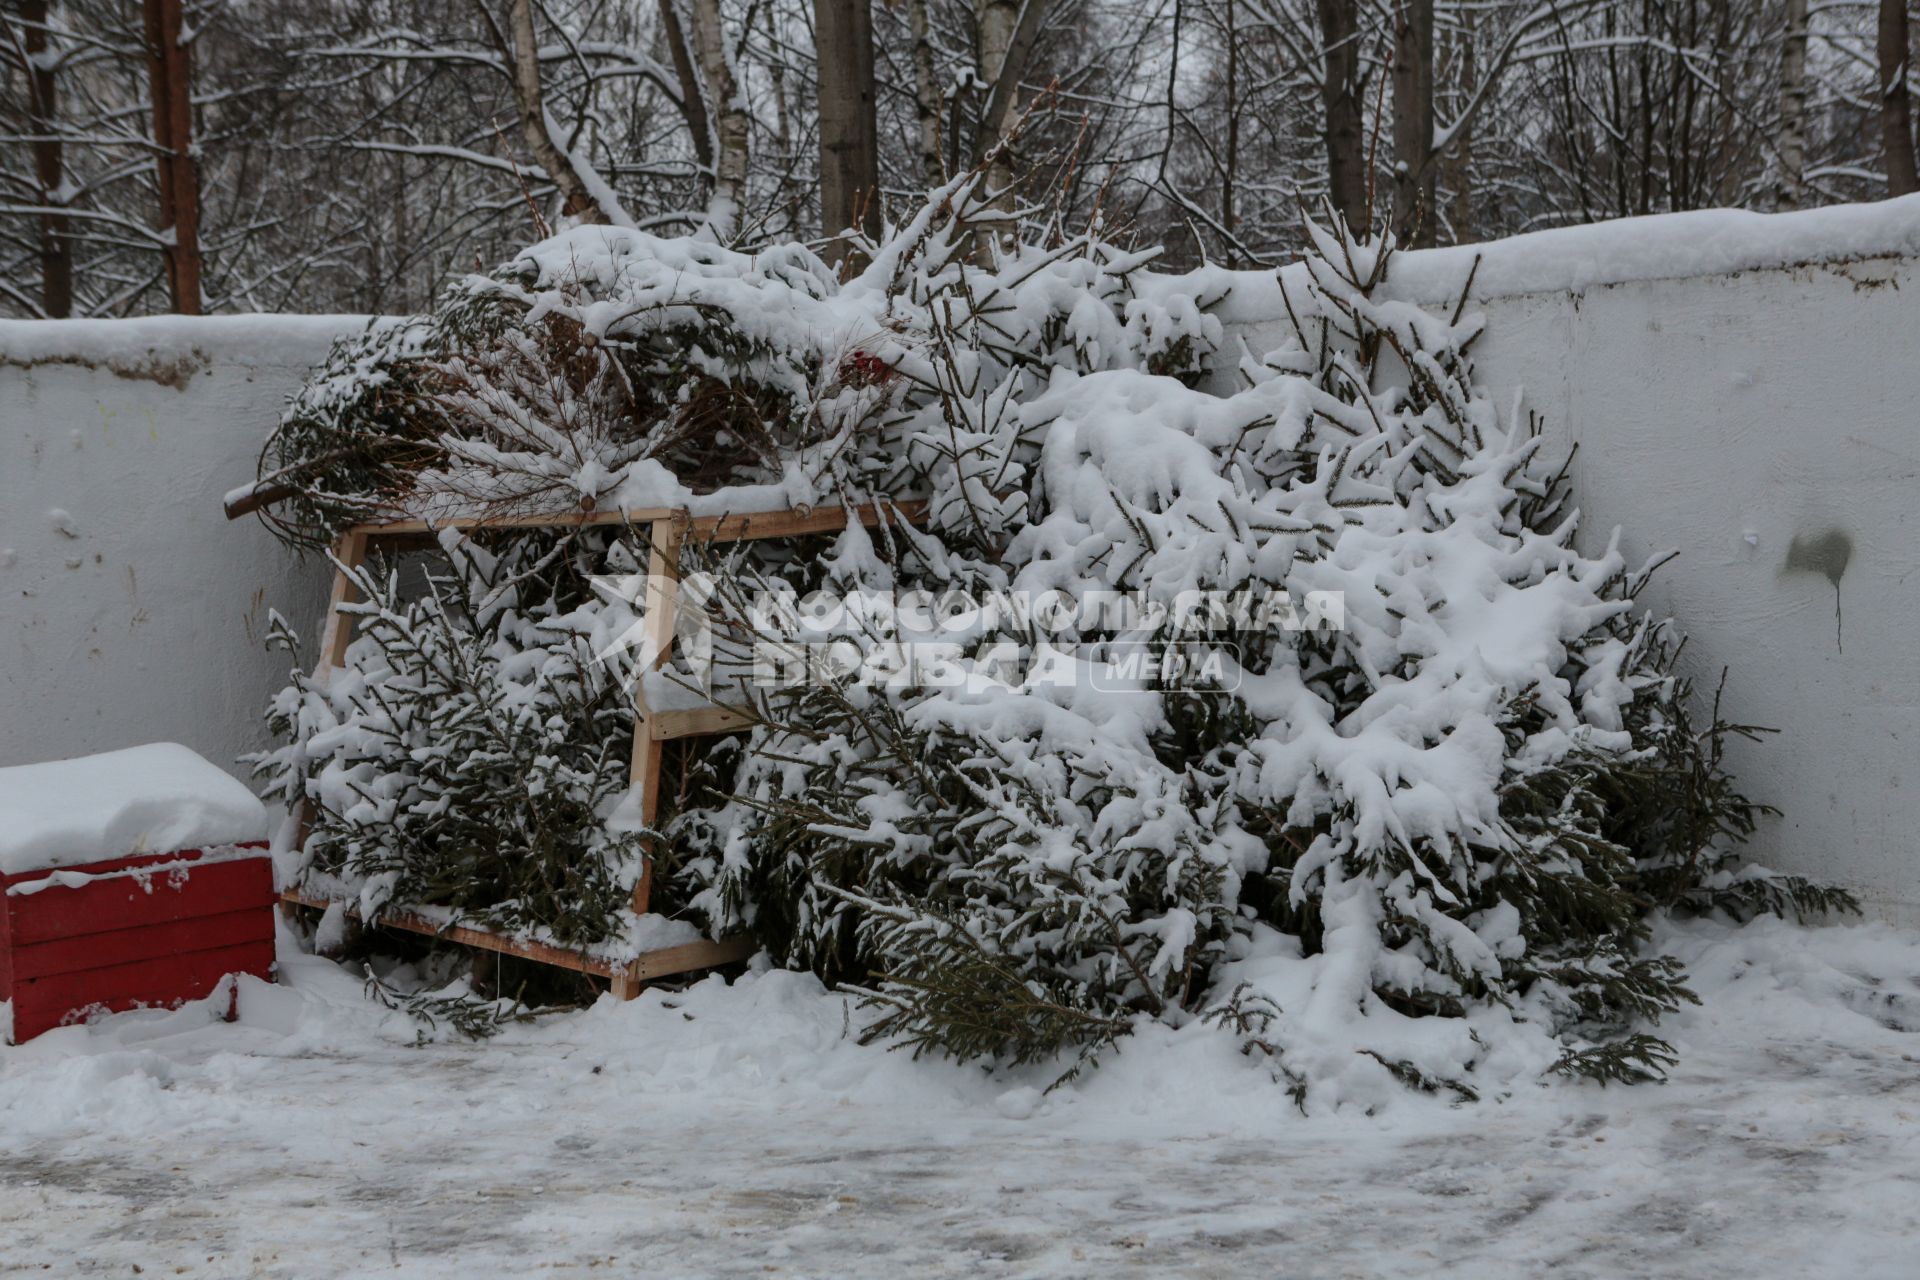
[(170, 349), (1703, 242), (1661, 246), (159, 798)]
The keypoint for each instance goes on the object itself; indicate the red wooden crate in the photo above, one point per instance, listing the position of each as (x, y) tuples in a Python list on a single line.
[(152, 930)]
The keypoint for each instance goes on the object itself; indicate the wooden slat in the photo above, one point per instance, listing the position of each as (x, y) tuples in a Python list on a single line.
[(540, 520), (743, 527), (643, 768), (704, 954), (130, 862), (793, 524), (136, 901), (695, 722), (350, 549), (40, 1004), (662, 603), (468, 936), (336, 634), (145, 942)]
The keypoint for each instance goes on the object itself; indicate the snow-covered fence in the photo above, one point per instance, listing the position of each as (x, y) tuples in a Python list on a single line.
[(130, 610), (1744, 390)]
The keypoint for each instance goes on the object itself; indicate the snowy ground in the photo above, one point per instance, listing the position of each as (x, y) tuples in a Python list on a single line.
[(733, 1131)]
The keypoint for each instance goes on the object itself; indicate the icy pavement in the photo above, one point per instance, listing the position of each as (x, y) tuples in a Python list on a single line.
[(734, 1131)]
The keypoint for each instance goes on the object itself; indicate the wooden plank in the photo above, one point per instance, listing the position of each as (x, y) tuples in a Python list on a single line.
[(643, 768), (705, 954), (468, 936), (797, 523), (695, 722), (130, 862), (623, 981), (40, 1004), (146, 942), (336, 634), (538, 520), (657, 619), (336, 631), (742, 527), (651, 964), (6, 951), (669, 530), (663, 594), (130, 901)]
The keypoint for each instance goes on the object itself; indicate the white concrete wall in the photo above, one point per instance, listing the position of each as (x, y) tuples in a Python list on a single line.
[(1730, 417), (138, 616)]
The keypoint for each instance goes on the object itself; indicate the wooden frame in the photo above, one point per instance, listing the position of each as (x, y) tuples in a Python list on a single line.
[(651, 964), (669, 530)]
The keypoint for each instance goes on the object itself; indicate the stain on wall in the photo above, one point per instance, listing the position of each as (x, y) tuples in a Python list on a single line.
[(1827, 554)]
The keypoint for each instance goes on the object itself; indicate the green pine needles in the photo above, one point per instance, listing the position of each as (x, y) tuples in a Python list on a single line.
[(1406, 831)]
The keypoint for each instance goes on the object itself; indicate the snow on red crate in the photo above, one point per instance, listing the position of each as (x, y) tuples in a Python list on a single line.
[(132, 879)]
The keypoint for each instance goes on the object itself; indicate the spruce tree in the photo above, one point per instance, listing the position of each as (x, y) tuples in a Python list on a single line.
[(1415, 843)]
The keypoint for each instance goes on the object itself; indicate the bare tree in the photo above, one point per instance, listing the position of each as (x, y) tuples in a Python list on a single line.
[(998, 20), (732, 127), (1619, 109), (353, 154), (582, 193), (1793, 107), (1413, 146), (1460, 75), (79, 162), (1009, 30), (849, 141), (926, 93), (1230, 165), (43, 114), (1004, 59), (169, 72), (1340, 89), (693, 102), (1896, 112)]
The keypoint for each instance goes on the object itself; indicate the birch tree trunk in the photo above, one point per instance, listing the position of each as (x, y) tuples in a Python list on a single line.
[(727, 107), (1793, 108), (1008, 30), (998, 20), (926, 94), (1896, 111), (532, 105), (1458, 157)]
